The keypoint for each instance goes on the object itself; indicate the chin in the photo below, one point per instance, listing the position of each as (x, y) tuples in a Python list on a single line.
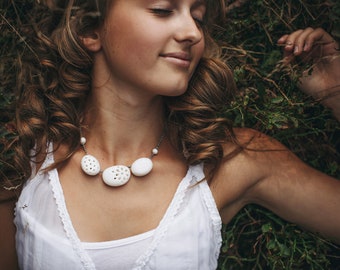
[(178, 92), (180, 88), (172, 86)]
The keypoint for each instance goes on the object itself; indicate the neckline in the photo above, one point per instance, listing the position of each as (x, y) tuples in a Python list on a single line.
[(119, 242), (181, 186), (193, 175)]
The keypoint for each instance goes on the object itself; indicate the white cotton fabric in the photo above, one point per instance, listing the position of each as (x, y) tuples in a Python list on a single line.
[(122, 253), (187, 238)]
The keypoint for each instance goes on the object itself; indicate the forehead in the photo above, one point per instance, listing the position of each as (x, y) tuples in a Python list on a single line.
[(214, 9), (192, 2)]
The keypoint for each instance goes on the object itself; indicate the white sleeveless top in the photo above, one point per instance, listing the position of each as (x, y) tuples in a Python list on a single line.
[(187, 238)]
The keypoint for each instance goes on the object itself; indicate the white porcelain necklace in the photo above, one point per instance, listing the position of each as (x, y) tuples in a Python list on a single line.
[(118, 175)]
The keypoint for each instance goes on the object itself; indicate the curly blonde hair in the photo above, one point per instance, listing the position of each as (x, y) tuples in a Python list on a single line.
[(55, 80)]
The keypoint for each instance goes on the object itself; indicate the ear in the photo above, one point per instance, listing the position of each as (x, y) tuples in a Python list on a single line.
[(91, 42)]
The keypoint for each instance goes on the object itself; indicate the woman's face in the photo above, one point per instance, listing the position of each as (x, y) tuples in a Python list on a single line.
[(152, 45)]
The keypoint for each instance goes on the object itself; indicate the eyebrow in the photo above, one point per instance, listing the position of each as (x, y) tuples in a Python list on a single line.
[(200, 3)]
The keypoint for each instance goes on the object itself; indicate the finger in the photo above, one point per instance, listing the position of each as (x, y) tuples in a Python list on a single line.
[(282, 42), (283, 39), (301, 41), (290, 41), (319, 36)]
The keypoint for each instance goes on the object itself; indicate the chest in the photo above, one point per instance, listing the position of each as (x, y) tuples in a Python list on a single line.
[(102, 213)]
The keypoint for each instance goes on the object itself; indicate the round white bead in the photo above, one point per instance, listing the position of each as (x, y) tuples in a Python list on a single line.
[(90, 165), (141, 167), (155, 151), (82, 140), (116, 176)]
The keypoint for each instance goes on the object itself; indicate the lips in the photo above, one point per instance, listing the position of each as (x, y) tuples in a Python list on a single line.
[(182, 59)]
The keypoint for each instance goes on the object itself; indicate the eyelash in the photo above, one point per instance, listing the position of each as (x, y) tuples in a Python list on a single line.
[(166, 12), (161, 12), (200, 22)]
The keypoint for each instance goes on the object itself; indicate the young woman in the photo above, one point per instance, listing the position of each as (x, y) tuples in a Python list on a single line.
[(128, 160)]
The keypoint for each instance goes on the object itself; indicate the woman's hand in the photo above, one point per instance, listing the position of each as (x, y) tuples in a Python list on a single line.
[(322, 81)]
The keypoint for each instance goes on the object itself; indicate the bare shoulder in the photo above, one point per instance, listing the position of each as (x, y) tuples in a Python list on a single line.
[(260, 157), (256, 140), (257, 151), (8, 258), (262, 150), (257, 157)]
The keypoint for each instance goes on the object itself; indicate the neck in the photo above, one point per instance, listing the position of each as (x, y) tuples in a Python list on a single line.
[(121, 131)]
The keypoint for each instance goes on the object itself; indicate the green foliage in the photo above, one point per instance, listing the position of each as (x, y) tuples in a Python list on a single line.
[(268, 101), (11, 46), (257, 239)]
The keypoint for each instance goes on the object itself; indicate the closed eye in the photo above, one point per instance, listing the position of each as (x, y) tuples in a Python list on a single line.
[(200, 22), (161, 12)]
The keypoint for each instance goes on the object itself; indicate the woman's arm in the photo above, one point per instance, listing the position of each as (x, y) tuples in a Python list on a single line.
[(293, 190), (8, 257), (322, 80), (270, 175)]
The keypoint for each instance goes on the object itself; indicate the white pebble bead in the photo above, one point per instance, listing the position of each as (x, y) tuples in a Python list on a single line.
[(155, 151), (141, 167)]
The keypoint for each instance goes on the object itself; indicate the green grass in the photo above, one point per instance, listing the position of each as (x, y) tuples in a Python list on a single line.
[(270, 102)]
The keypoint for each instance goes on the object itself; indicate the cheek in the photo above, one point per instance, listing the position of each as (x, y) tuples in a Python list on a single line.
[(199, 52), (201, 49), (130, 43)]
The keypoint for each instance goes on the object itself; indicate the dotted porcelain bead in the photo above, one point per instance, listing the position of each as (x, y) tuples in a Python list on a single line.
[(90, 165), (116, 176)]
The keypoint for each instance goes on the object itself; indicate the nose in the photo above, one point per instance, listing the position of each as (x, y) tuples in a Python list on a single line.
[(188, 30)]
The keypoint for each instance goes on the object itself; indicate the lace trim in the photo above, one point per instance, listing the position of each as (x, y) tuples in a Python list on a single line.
[(65, 218), (169, 216), (215, 217), (131, 240), (35, 174)]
